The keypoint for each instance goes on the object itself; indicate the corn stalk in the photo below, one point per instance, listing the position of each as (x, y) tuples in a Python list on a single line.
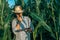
[(37, 6), (53, 17), (2, 11), (4, 24), (35, 31)]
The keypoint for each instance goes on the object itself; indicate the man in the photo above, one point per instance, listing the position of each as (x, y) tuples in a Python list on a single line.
[(21, 26)]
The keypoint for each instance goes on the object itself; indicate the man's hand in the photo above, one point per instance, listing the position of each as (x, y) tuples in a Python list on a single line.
[(19, 18), (17, 26), (28, 29)]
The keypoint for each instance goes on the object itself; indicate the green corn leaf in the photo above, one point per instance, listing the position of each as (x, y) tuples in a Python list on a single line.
[(47, 27)]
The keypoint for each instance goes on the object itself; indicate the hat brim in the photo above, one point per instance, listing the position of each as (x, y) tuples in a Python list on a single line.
[(17, 11)]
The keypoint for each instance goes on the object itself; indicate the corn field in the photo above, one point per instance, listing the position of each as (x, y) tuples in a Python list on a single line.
[(45, 16)]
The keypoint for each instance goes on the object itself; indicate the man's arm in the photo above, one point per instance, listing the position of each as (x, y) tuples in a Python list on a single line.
[(14, 28), (31, 25)]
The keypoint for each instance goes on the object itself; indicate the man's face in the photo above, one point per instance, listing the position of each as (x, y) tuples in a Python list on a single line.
[(19, 11), (19, 14)]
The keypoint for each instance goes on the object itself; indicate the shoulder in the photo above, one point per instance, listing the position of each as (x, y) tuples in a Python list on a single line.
[(26, 17), (14, 20)]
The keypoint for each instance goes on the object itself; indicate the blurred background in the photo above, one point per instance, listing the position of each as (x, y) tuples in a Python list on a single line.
[(45, 16)]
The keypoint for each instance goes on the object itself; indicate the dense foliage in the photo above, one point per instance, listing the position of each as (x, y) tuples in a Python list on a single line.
[(45, 16)]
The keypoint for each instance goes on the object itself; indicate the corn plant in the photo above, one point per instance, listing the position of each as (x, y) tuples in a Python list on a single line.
[(5, 19), (45, 15)]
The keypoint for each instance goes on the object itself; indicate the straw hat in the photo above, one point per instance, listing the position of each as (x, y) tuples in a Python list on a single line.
[(17, 9)]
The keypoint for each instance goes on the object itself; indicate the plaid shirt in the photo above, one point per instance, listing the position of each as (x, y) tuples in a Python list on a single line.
[(26, 23)]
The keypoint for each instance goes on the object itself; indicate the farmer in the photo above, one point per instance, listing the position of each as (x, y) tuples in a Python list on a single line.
[(21, 25)]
